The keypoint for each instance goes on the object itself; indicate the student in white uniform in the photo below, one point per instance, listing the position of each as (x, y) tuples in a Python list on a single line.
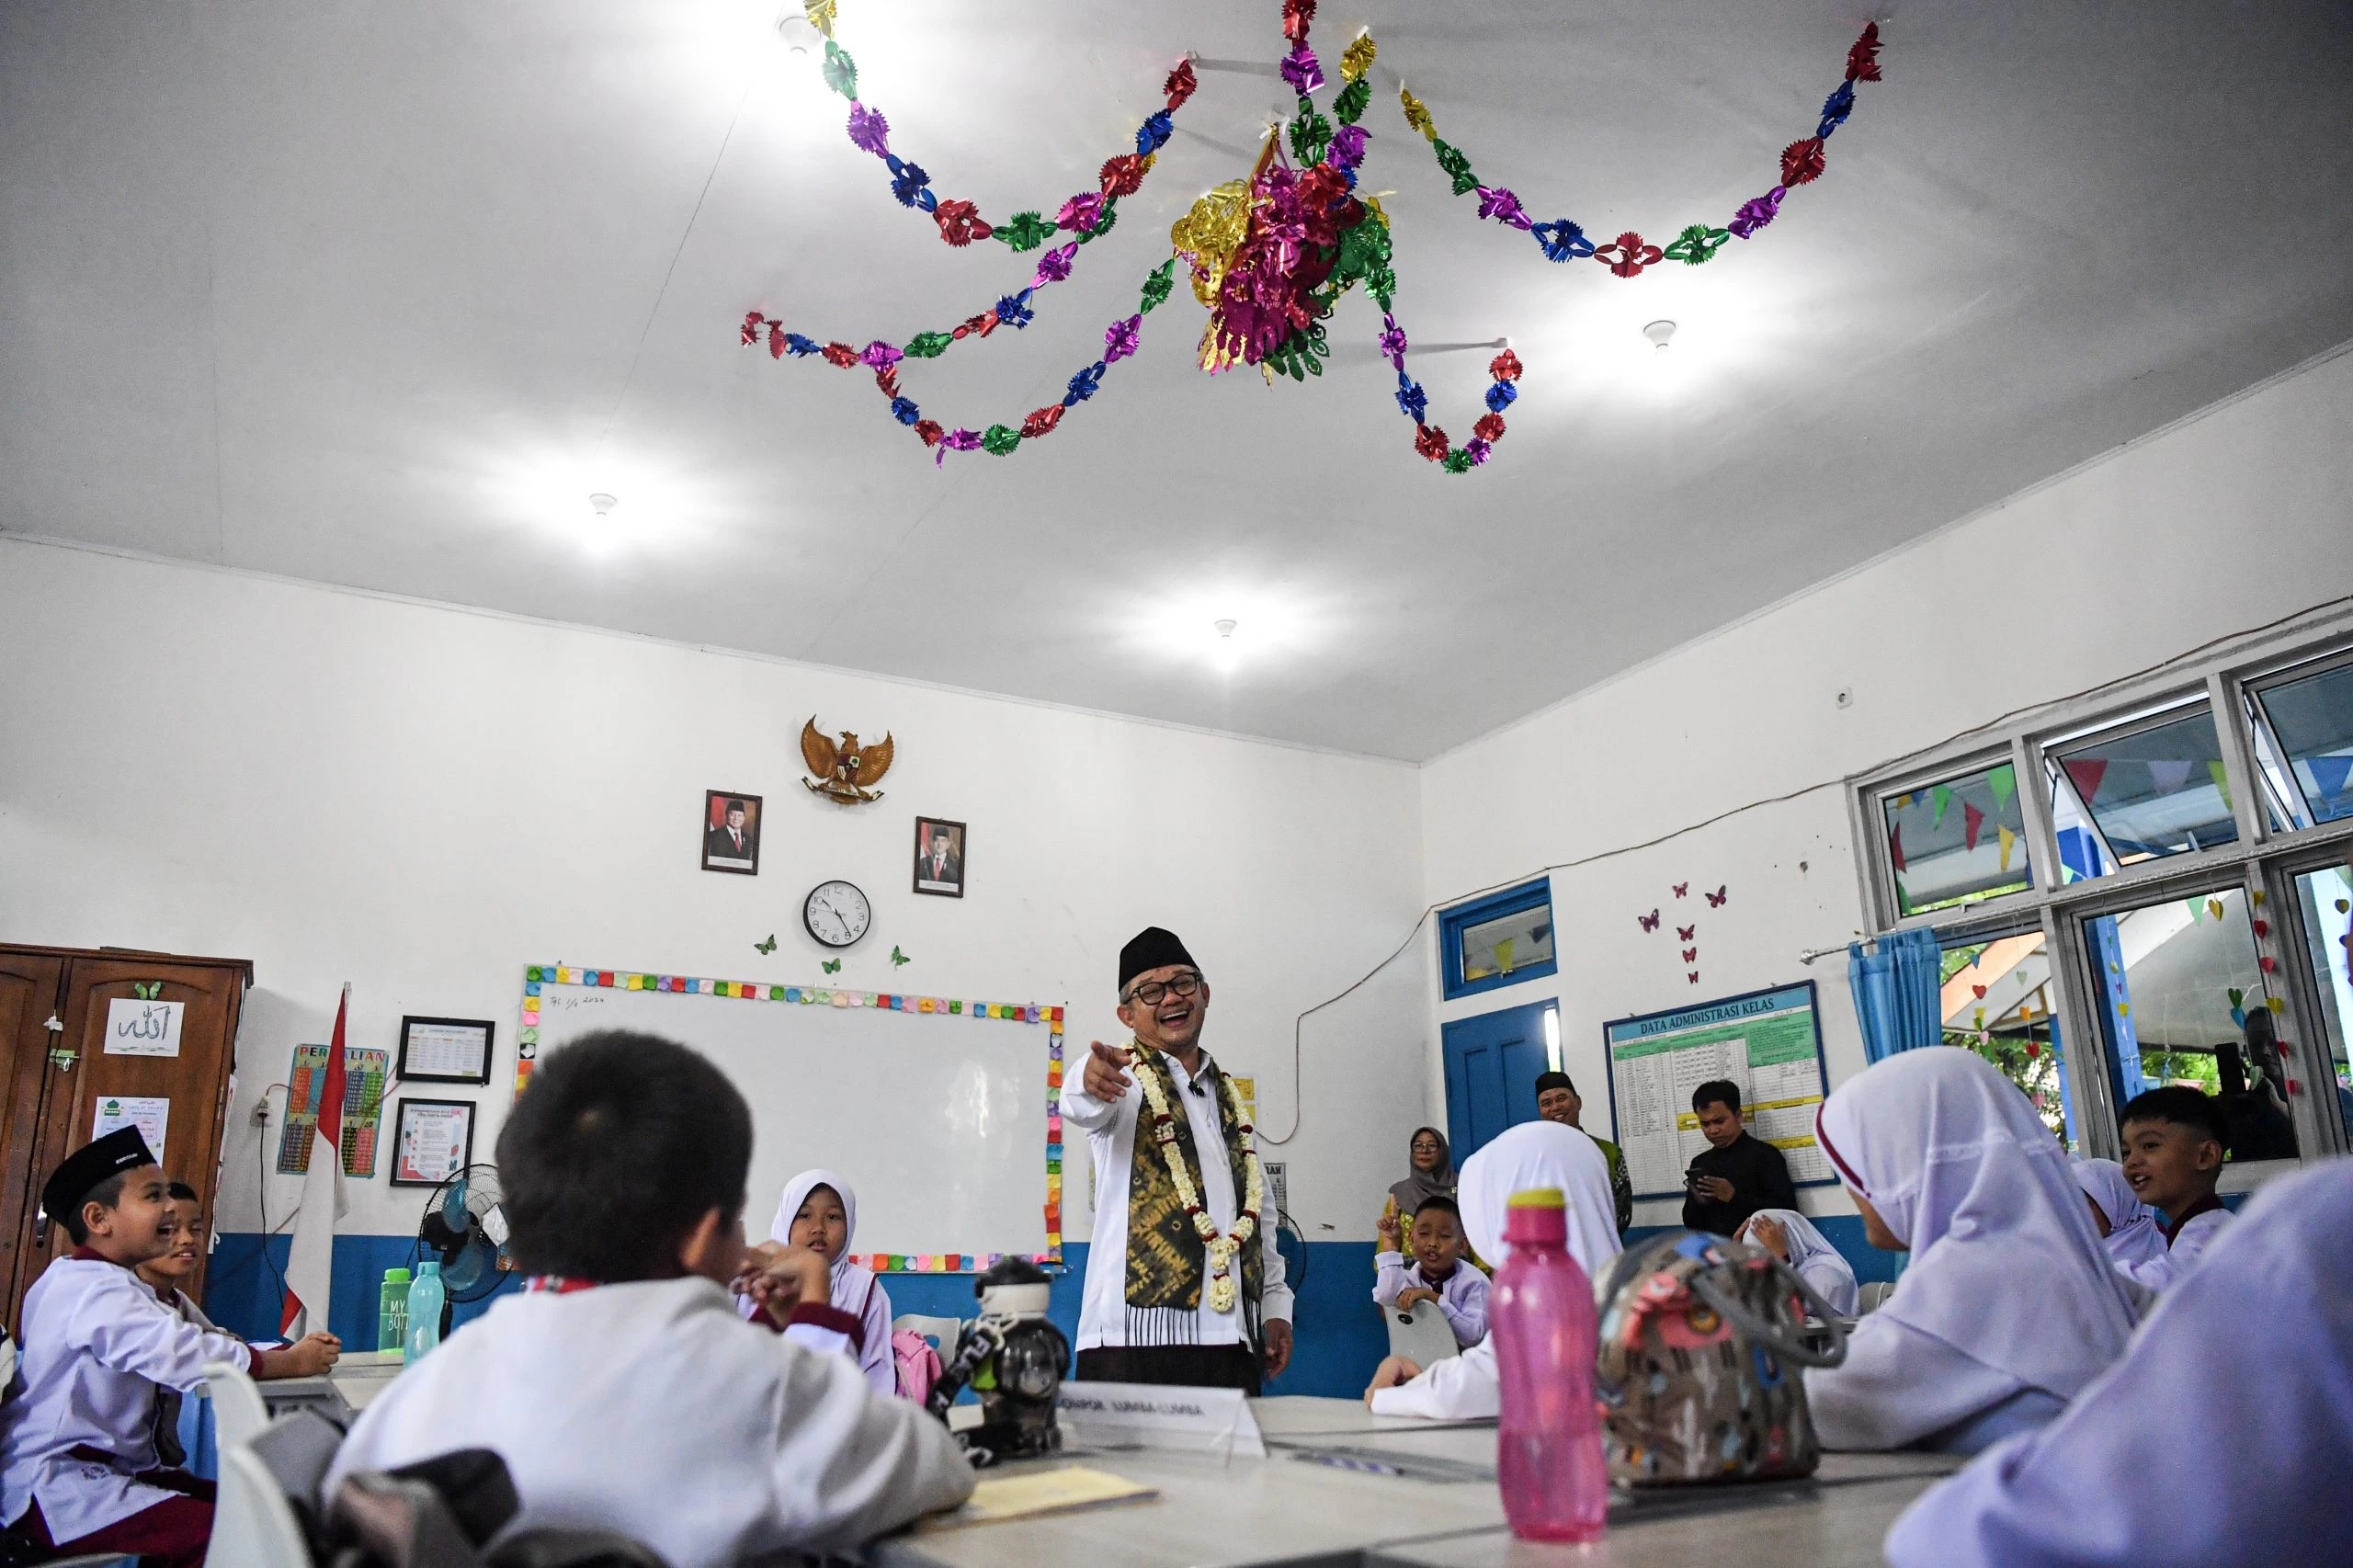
[(1791, 1237), (2126, 1226), (2218, 1441), (80, 1468), (1438, 1272), (2008, 1306), (621, 1388), (819, 1211), (1533, 1154), (168, 1273), (2172, 1157)]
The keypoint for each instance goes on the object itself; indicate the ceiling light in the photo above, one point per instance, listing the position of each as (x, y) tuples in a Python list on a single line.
[(1660, 333), (1225, 628), (602, 503)]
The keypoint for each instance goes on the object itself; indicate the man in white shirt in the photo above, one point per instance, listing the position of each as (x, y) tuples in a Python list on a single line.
[(1183, 1281)]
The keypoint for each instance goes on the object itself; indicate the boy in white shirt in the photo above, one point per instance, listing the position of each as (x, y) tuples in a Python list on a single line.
[(1437, 1272), (2172, 1158), (621, 1388), (86, 1456)]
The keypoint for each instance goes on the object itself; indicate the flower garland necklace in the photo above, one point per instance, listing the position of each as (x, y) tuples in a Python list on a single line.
[(1221, 1250)]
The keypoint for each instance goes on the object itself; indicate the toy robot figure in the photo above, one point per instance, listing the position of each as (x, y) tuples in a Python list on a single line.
[(1013, 1358)]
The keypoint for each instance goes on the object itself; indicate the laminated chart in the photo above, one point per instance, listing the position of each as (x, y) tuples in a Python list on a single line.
[(363, 1107), (1769, 1042)]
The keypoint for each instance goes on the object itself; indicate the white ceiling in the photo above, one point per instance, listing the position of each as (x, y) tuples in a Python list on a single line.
[(376, 293)]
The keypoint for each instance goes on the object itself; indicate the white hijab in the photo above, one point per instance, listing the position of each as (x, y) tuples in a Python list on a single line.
[(2006, 1266), (1541, 1154), (1811, 1250), (2132, 1234), (796, 1193)]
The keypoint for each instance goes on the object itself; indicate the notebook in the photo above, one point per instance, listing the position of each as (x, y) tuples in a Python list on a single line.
[(1001, 1497)]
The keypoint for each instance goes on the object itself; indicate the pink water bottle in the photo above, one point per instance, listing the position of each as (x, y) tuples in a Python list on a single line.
[(1548, 1450)]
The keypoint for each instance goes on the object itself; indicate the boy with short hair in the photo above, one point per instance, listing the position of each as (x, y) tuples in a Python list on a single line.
[(2172, 1157), (170, 1273), (621, 1387), (82, 1468), (1437, 1272)]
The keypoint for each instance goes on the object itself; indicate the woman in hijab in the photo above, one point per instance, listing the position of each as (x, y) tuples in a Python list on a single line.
[(819, 1210), (2186, 1454), (2128, 1226), (2009, 1305), (1791, 1237), (1533, 1154), (1430, 1175)]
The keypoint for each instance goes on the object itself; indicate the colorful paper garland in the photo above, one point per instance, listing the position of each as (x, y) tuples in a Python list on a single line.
[(537, 977)]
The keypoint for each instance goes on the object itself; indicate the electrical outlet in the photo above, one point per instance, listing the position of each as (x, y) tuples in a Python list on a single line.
[(261, 1114)]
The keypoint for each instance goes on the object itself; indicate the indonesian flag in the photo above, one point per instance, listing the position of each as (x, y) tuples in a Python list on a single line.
[(309, 1262)]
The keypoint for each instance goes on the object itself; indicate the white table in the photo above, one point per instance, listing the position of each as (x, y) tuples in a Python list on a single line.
[(1317, 1495)]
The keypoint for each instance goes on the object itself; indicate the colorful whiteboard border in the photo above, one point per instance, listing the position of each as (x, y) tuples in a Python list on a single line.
[(527, 1050)]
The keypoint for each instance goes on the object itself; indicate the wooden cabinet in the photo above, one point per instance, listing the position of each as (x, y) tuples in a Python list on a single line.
[(57, 1073)]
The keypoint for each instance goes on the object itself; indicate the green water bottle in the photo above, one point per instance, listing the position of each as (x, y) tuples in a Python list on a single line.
[(392, 1311)]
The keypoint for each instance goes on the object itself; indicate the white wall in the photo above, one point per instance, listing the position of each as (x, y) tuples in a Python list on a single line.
[(2221, 524), (421, 801)]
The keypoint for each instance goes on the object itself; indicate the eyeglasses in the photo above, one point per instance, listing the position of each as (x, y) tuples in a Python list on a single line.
[(1151, 992)]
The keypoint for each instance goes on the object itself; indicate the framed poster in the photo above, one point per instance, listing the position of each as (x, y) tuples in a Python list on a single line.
[(446, 1050), (1768, 1042), (434, 1141), (940, 857), (731, 832)]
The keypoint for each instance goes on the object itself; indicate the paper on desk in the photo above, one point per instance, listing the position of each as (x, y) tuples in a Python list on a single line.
[(1171, 1416), (1001, 1497)]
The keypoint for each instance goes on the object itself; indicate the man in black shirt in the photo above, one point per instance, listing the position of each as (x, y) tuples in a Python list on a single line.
[(1736, 1174)]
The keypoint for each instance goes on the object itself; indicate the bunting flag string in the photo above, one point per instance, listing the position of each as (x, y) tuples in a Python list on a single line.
[(1629, 256)]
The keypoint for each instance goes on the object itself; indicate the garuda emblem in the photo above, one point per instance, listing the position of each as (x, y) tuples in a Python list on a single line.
[(844, 772)]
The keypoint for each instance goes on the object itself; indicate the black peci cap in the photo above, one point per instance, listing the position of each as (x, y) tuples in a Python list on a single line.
[(121, 1149), (1151, 948)]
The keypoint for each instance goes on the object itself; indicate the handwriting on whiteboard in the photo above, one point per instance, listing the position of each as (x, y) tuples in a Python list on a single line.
[(143, 1029)]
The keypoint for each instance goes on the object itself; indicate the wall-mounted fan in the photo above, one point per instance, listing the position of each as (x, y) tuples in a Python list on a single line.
[(465, 1226)]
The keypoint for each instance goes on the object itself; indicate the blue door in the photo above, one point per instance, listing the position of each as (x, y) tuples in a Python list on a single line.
[(1492, 1062)]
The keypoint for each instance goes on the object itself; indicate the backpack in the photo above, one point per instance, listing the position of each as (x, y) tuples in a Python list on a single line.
[(1702, 1339), (918, 1364)]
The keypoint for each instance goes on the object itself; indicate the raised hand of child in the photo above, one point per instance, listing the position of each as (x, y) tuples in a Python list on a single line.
[(1770, 1235), (1393, 1238)]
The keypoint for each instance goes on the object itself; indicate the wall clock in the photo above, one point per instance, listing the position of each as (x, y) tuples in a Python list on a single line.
[(836, 914)]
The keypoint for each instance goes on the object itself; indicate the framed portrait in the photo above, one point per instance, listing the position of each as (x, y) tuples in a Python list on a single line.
[(446, 1050), (434, 1140), (731, 832), (940, 857)]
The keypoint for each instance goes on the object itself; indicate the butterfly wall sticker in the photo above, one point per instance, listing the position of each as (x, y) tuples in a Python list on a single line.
[(1691, 955), (767, 946), (1693, 977), (1716, 899), (1688, 933), (1682, 888), (1648, 922)]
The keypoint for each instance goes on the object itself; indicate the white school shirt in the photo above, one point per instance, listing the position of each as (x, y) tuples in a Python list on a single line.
[(1104, 1316), (2190, 1243), (99, 1342), (1463, 1297), (652, 1410)]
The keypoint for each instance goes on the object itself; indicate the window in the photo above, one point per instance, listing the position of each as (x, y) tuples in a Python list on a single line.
[(2324, 903), (1956, 841), (2307, 722), (2001, 1001), (2162, 790), (2136, 946), (2183, 1000), (1497, 942)]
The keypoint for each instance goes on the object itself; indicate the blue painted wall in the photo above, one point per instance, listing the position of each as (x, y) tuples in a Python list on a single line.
[(1338, 1335)]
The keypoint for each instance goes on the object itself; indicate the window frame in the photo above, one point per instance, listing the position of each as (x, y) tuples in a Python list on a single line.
[(2263, 860), (1452, 924)]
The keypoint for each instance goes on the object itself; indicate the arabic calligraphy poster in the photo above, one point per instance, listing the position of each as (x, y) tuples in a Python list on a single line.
[(364, 1077), (136, 1027)]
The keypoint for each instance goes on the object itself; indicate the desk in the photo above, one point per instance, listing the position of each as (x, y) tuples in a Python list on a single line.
[(1297, 1504)]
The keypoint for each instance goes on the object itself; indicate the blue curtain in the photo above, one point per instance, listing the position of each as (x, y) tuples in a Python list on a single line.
[(1898, 993)]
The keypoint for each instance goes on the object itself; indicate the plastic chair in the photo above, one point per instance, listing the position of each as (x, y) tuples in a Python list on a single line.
[(1424, 1337), (238, 1413), (941, 1331), (252, 1523), (1873, 1296)]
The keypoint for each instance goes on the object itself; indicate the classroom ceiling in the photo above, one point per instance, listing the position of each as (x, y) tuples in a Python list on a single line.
[(376, 294)]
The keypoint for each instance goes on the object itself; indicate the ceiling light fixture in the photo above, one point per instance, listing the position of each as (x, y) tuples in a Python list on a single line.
[(1660, 333), (602, 503), (1225, 628)]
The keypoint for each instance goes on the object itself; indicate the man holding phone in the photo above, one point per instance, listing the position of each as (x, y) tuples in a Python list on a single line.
[(1736, 1174)]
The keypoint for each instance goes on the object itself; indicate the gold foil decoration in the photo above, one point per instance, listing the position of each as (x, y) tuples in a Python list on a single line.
[(820, 13), (1416, 115), (1356, 59), (1210, 232)]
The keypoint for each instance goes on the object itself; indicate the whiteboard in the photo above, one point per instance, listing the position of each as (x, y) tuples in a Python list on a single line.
[(936, 1111)]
